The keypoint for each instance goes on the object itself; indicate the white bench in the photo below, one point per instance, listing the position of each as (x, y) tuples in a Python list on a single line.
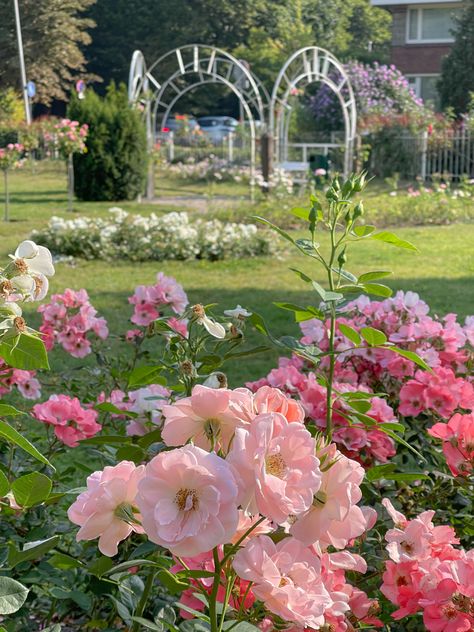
[(295, 167)]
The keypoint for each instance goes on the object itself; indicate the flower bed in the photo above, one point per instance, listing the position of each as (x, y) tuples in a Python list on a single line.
[(332, 495), (139, 238)]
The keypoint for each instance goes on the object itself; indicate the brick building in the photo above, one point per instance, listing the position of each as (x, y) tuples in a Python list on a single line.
[(421, 37)]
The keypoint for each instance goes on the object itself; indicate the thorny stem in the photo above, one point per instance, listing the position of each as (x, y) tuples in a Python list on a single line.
[(215, 589), (332, 333)]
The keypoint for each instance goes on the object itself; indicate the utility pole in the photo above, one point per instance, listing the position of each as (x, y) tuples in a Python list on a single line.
[(22, 63)]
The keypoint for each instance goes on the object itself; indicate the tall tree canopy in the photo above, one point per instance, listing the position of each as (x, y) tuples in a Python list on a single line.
[(264, 32), (457, 79), (55, 33), (156, 26)]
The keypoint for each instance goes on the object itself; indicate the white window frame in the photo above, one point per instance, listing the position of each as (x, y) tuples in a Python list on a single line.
[(418, 77), (419, 11)]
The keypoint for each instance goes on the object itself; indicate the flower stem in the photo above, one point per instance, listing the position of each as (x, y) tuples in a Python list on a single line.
[(215, 589), (143, 599)]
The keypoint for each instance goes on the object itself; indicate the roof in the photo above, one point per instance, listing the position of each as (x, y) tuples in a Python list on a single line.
[(394, 3)]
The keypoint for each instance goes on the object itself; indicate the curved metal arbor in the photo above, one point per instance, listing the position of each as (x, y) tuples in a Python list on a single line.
[(309, 65), (180, 70)]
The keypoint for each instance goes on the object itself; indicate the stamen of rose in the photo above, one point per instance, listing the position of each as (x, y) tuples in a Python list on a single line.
[(212, 428), (21, 266), (186, 499), (275, 465), (19, 324), (6, 288)]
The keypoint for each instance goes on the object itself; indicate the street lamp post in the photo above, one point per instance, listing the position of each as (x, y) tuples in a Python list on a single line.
[(22, 62)]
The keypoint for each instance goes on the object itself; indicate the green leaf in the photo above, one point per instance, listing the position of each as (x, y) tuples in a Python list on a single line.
[(31, 550), (304, 277), (9, 411), (377, 289), (281, 232), (131, 453), (351, 333), (29, 353), (360, 405), (302, 213), (107, 440), (387, 471), (171, 582), (100, 566), (124, 566), (401, 441), (151, 437), (392, 239), (411, 355), (372, 276), (363, 231), (145, 375), (64, 562), (4, 485), (247, 353), (301, 313), (12, 595), (31, 489), (373, 337), (10, 434), (326, 295), (148, 625), (345, 274), (107, 407), (195, 574)]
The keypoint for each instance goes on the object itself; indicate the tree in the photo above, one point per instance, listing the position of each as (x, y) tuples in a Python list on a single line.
[(114, 166), (457, 77), (156, 26), (54, 32)]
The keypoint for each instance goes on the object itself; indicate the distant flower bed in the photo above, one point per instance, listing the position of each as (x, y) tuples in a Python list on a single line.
[(139, 238)]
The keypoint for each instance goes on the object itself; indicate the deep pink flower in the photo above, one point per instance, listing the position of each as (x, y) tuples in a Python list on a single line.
[(71, 422)]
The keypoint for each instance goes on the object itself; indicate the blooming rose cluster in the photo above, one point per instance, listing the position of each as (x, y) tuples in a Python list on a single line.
[(68, 319), (72, 422), (25, 381), (445, 345), (427, 574), (10, 156), (149, 301), (243, 465), (68, 136)]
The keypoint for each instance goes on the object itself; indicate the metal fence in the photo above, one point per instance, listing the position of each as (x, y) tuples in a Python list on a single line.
[(450, 156)]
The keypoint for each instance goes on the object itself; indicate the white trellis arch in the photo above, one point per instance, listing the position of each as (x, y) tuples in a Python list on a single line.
[(180, 70), (309, 65)]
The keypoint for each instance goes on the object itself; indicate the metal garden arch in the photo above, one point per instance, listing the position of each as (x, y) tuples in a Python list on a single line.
[(180, 70), (306, 66)]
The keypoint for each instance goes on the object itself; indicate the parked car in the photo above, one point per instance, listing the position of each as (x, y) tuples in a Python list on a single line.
[(217, 127), (178, 122)]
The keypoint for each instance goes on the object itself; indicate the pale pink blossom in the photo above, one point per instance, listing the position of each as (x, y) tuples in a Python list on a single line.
[(106, 510), (275, 466), (287, 578), (188, 501)]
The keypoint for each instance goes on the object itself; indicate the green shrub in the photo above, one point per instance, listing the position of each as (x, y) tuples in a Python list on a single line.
[(114, 166)]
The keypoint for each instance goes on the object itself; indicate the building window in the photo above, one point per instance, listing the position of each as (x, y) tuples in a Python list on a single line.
[(425, 87), (427, 24)]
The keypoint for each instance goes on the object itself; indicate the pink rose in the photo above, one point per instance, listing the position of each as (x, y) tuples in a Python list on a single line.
[(106, 509), (188, 500)]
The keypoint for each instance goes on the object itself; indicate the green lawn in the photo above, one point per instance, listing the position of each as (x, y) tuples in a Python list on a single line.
[(442, 272)]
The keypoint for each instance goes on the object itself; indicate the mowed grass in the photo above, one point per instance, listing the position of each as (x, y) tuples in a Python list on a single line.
[(442, 272)]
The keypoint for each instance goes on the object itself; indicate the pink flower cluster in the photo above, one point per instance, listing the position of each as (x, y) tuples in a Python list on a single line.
[(444, 344), (69, 136), (427, 573), (252, 468), (458, 442), (71, 421), (10, 156), (149, 300), (25, 381), (68, 319)]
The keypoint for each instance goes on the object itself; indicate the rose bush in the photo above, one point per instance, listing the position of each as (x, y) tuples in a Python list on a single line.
[(332, 495)]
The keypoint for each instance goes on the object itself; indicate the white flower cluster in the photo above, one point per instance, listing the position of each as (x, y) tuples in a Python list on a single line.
[(213, 168), (24, 279), (153, 238)]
